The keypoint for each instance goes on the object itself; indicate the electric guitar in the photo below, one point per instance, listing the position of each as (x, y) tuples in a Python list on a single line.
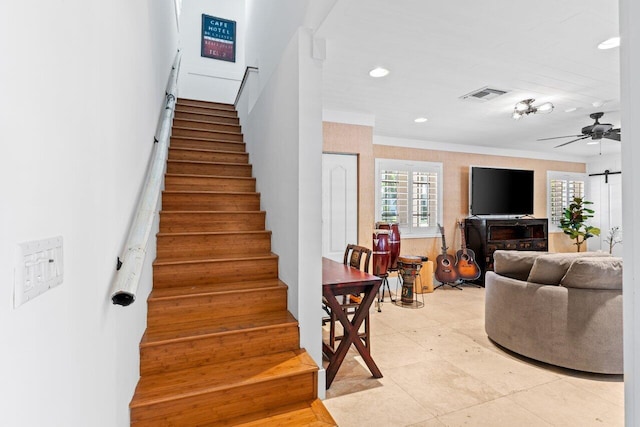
[(466, 265), (445, 270)]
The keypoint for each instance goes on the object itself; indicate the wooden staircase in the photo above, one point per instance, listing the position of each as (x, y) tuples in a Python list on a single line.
[(220, 346)]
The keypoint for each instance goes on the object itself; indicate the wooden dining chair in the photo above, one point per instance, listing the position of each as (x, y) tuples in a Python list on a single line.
[(357, 257)]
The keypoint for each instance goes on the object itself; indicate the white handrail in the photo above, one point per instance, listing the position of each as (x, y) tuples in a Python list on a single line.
[(125, 283)]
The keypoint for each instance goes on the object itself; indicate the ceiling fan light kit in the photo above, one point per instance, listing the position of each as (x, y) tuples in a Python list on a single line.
[(526, 107)]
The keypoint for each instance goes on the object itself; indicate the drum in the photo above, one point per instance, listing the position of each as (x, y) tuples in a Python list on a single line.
[(408, 267), (381, 252), (394, 241)]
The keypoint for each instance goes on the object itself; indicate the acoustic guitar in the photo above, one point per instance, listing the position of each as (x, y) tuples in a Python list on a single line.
[(466, 265), (445, 270)]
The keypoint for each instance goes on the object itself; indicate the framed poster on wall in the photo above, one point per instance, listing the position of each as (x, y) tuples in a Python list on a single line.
[(218, 38)]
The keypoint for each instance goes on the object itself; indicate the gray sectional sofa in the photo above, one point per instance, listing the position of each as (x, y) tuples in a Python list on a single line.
[(562, 308)]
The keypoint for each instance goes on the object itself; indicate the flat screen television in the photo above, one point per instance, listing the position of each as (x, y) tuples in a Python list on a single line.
[(497, 191)]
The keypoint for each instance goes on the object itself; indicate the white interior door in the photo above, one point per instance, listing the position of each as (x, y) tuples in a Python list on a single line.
[(339, 204)]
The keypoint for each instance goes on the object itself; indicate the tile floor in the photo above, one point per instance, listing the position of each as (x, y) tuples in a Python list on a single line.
[(440, 369)]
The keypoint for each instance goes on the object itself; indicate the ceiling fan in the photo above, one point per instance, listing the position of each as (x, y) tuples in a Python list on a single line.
[(595, 131)]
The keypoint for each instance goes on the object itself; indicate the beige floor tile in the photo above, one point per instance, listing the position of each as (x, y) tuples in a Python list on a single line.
[(496, 413), (561, 403), (440, 369), (502, 373), (383, 406), (608, 387), (393, 350), (441, 387), (433, 422)]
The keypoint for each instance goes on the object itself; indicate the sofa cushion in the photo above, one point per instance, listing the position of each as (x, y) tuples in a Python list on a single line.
[(514, 264), (594, 273), (549, 269)]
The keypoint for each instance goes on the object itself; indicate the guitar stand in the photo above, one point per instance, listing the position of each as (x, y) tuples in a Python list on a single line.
[(452, 284)]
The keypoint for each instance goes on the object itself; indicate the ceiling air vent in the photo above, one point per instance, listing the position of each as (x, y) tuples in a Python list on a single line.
[(484, 94)]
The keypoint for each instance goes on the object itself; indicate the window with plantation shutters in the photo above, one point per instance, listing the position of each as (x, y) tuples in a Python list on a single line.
[(562, 188), (408, 193)]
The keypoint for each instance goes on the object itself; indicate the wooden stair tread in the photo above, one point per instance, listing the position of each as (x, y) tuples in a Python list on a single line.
[(206, 104), (197, 138), (189, 175), (167, 386), (206, 150), (211, 289), (212, 260), (198, 329), (208, 192), (209, 212), (196, 122), (208, 163), (213, 233), (310, 414)]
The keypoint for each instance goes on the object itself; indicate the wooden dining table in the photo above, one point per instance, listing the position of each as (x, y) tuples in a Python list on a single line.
[(340, 279)]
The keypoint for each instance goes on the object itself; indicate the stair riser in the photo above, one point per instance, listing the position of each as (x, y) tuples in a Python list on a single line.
[(218, 348), (205, 183), (190, 274), (210, 202), (179, 222), (218, 127), (218, 306), (212, 169), (208, 156), (200, 144), (212, 118), (206, 134), (207, 246), (206, 409), (205, 104)]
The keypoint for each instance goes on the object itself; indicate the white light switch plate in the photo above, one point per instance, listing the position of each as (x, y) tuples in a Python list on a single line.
[(39, 267)]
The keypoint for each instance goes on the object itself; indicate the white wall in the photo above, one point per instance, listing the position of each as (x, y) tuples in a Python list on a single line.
[(283, 132), (206, 78), (270, 27), (83, 83), (630, 96)]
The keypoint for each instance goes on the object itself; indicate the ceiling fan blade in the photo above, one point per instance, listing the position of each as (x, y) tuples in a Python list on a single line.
[(557, 137), (614, 134), (567, 143)]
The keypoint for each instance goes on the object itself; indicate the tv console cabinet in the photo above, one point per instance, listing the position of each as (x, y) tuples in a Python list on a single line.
[(485, 236)]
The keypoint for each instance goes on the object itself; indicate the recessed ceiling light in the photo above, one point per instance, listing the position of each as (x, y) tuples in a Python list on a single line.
[(378, 72), (593, 142), (420, 120), (570, 110), (597, 103), (610, 43)]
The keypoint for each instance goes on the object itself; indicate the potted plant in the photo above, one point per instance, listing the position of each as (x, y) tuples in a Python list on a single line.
[(573, 222)]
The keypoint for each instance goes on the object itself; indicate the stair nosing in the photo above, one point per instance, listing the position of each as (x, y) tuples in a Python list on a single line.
[(209, 163), (207, 150), (213, 212), (208, 192), (211, 233), (277, 285), (188, 175), (199, 138), (212, 260)]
